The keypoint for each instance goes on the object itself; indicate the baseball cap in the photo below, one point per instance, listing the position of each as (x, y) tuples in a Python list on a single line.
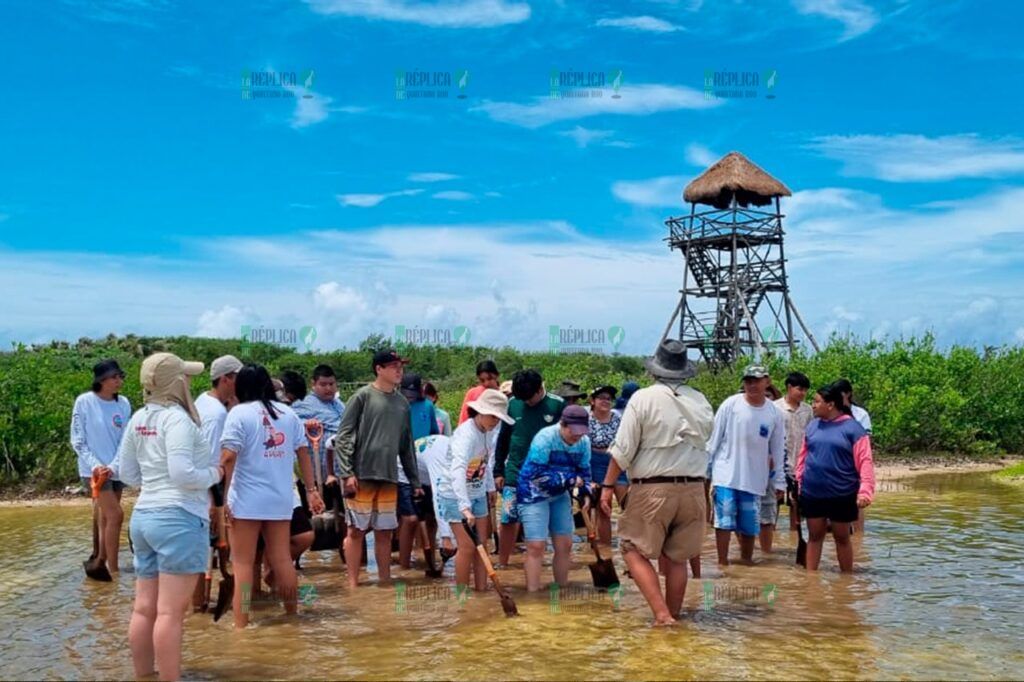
[(610, 390), (412, 385), (106, 369), (386, 357), (577, 419), (755, 372), (225, 364), (160, 370)]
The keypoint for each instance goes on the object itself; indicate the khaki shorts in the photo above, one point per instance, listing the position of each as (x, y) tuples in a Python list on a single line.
[(664, 518)]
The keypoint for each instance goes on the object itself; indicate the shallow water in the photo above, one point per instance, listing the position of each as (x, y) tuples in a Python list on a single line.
[(937, 594)]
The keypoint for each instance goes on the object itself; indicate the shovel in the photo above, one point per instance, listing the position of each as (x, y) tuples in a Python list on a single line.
[(602, 570), (508, 605), (327, 531), (96, 565)]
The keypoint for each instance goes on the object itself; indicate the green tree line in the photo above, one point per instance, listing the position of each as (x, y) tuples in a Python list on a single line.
[(921, 399)]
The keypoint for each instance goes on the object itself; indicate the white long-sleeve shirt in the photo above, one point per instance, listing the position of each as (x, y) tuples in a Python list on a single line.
[(97, 426), (164, 453), (470, 470), (432, 460), (747, 446)]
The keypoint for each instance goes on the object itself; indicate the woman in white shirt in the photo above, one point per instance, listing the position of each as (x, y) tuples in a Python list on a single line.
[(97, 425), (164, 452), (467, 480), (259, 444)]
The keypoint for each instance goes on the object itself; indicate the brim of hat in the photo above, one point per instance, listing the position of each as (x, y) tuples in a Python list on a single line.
[(110, 373), (688, 371), (570, 394), (604, 389), (578, 429), (756, 376), (192, 368), (491, 412)]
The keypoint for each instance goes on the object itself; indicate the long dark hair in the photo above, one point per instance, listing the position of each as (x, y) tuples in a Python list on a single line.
[(832, 393), (254, 383)]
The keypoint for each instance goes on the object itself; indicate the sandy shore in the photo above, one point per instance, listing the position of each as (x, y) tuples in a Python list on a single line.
[(885, 470)]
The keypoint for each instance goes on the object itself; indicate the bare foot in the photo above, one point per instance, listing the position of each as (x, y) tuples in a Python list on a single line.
[(664, 621)]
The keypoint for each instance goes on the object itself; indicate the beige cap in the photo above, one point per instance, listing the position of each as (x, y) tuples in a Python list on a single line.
[(160, 370), (493, 403), (506, 387), (225, 364)]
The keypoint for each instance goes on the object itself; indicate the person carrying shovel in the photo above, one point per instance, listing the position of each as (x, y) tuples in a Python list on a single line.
[(662, 445), (97, 425)]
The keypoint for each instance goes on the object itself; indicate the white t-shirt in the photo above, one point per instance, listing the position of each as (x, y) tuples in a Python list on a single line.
[(862, 417), (747, 445), (432, 462), (262, 480), (212, 414), (164, 452), (97, 426), (468, 473)]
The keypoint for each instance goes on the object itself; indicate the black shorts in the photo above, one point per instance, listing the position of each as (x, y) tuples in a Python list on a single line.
[(299, 524), (839, 509), (405, 500), (425, 504)]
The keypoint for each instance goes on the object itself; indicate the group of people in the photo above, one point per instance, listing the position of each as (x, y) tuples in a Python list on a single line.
[(273, 450)]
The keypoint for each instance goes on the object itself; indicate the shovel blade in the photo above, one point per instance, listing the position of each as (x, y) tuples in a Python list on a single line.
[(801, 552), (225, 592), (325, 532), (604, 575), (508, 605)]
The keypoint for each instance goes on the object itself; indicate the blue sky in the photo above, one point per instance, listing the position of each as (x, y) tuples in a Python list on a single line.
[(139, 192)]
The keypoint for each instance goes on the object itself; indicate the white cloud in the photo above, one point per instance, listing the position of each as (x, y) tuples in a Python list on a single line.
[(442, 14), (452, 195), (431, 177), (856, 17), (905, 158), (1019, 335), (635, 100), (310, 107), (655, 192), (641, 23), (223, 323), (844, 315), (584, 136), (370, 200), (699, 155)]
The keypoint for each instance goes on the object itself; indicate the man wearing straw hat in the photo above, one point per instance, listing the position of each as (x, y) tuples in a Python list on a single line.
[(662, 445)]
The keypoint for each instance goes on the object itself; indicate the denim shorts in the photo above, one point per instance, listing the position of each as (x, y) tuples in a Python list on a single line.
[(169, 540), (449, 507), (509, 508), (549, 517), (406, 505), (736, 510), (599, 462)]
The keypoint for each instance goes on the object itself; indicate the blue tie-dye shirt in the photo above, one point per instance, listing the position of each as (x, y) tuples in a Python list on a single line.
[(552, 465)]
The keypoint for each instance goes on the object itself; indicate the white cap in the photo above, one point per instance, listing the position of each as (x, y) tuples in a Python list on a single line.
[(225, 364)]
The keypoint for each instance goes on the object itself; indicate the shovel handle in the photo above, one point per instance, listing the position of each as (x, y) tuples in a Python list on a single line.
[(96, 483), (480, 549)]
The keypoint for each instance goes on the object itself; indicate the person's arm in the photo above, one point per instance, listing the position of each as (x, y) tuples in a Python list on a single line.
[(345, 439), (79, 441), (128, 470), (777, 450), (489, 465), (864, 461), (501, 451), (583, 462), (627, 441), (801, 461), (434, 431), (718, 436), (179, 442), (407, 454), (329, 456)]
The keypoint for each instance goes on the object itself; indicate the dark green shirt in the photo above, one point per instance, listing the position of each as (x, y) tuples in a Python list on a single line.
[(375, 433), (514, 441)]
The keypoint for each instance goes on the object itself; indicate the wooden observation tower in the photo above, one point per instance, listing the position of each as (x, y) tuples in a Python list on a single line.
[(735, 298)]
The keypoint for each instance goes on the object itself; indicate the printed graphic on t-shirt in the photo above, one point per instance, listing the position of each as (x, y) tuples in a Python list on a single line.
[(118, 421), (476, 469), (274, 440), (763, 431)]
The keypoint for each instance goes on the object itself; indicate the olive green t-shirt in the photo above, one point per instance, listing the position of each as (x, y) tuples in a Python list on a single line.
[(514, 441), (375, 433)]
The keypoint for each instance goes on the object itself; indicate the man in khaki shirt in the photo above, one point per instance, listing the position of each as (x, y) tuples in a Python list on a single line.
[(662, 445)]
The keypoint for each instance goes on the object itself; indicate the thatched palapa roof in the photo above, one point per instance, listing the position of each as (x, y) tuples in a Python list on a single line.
[(734, 176)]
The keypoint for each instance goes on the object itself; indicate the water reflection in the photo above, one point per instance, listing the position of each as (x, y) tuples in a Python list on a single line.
[(936, 595)]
